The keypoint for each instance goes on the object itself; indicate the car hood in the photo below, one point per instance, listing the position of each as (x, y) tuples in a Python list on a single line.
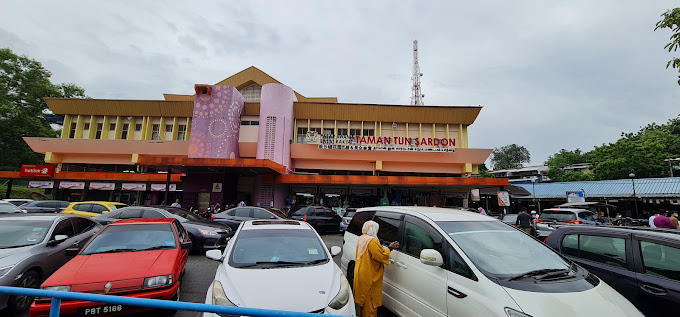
[(314, 287), (205, 224), (13, 255), (601, 300), (84, 269)]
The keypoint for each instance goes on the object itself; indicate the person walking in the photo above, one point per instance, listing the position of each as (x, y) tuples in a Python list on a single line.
[(663, 222), (242, 204), (371, 259), (524, 221), (651, 219), (481, 210), (176, 204), (674, 219)]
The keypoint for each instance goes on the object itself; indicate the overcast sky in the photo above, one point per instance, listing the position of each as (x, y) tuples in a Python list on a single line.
[(549, 74)]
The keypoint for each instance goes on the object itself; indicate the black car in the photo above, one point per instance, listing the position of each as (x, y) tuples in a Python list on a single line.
[(322, 218), (204, 234), (52, 206), (642, 264), (234, 216)]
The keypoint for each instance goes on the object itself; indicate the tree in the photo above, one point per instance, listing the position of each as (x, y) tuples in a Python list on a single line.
[(565, 158), (510, 156), (23, 112), (671, 20), (484, 172)]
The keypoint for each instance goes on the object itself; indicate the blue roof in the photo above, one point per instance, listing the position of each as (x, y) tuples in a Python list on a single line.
[(621, 188)]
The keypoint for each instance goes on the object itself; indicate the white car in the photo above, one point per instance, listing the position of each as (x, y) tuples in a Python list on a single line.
[(457, 263), (9, 208), (17, 202), (267, 261)]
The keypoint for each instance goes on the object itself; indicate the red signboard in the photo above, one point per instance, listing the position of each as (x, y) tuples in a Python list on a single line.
[(37, 171)]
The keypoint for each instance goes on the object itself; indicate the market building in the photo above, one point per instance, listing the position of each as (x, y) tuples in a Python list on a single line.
[(250, 138)]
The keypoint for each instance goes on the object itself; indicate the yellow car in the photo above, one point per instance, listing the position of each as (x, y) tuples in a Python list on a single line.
[(92, 208)]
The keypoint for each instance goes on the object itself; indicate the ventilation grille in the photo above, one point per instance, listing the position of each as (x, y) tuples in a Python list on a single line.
[(265, 194), (270, 138)]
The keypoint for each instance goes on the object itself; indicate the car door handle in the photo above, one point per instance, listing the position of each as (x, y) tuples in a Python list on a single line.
[(401, 265), (456, 293), (653, 289)]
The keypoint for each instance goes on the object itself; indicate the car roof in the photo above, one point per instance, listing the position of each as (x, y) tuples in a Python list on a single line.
[(98, 202), (34, 216), (568, 209), (274, 224), (433, 213), (142, 221), (17, 199), (666, 233)]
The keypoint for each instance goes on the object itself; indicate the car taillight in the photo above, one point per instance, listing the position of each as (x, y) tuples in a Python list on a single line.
[(575, 222), (212, 217), (546, 239), (540, 220)]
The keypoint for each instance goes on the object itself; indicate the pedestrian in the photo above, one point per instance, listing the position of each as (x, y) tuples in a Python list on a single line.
[(241, 204), (533, 221), (524, 221), (176, 204), (481, 210), (674, 218), (651, 219), (371, 259), (663, 222)]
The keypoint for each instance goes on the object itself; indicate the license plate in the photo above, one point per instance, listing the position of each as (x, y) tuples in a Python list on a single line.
[(99, 310)]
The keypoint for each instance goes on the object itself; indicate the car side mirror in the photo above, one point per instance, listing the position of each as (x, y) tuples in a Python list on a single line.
[(272, 217), (186, 245), (431, 257), (335, 250), (58, 239), (214, 255), (72, 251)]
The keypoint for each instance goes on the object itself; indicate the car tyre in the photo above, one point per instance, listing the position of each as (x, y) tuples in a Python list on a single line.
[(350, 274), (195, 249), (16, 303)]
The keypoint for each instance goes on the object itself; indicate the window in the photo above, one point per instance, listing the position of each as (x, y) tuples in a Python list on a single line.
[(246, 122), (261, 214), (354, 132), (388, 230), (82, 207), (417, 238), (558, 215), (570, 245), (605, 250), (304, 211), (72, 134), (342, 132), (181, 232), (138, 127), (62, 204), (587, 215), (328, 131), (64, 227), (130, 214), (301, 133), (660, 260), (168, 128), (100, 127), (455, 263), (82, 225), (98, 209), (150, 213), (112, 127), (43, 204), (86, 126), (358, 221), (181, 132), (242, 212), (124, 133), (369, 132), (155, 132)]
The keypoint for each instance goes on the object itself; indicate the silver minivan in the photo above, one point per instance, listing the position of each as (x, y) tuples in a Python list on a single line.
[(569, 215)]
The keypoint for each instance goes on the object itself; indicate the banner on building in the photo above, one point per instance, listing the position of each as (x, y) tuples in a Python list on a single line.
[(134, 186), (102, 186), (71, 185), (161, 187), (41, 184), (503, 198), (36, 171), (474, 194), (313, 137), (217, 187), (576, 197)]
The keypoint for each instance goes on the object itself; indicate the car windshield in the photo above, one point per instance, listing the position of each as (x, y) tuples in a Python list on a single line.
[(587, 215), (350, 213), (22, 232), (501, 251), (258, 248), (9, 208), (184, 215), (559, 215), (131, 238), (114, 207), (510, 218)]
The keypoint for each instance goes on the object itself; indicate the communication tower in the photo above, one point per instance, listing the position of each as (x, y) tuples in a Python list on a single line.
[(416, 95)]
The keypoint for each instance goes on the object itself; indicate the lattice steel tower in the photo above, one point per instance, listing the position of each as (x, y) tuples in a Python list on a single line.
[(416, 95)]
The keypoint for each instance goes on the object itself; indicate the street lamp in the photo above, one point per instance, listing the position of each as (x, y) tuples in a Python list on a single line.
[(632, 180)]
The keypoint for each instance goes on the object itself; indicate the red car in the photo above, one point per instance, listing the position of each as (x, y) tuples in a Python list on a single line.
[(142, 258)]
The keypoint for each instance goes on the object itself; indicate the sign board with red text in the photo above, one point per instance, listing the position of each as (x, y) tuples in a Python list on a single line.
[(46, 171)]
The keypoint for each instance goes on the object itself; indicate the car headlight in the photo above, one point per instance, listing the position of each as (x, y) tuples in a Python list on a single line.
[(157, 281), (514, 313), (342, 298), (65, 288), (4, 270), (209, 232), (219, 297)]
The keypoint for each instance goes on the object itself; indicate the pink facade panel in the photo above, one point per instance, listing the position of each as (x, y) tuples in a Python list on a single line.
[(216, 122), (276, 124)]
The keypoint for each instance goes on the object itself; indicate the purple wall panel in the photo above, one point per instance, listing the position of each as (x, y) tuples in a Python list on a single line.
[(215, 124), (276, 103)]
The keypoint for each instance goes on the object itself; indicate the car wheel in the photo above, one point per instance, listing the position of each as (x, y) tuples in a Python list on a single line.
[(194, 247), (16, 303), (350, 275)]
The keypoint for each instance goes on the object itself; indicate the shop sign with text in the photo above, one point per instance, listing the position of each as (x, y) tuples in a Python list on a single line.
[(102, 186), (71, 185), (134, 186), (373, 143), (41, 184), (161, 187), (37, 171)]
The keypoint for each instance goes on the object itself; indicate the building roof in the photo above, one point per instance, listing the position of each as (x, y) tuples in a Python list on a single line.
[(522, 169), (617, 188)]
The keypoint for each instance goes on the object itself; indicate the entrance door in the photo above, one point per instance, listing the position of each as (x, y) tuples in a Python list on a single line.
[(203, 201)]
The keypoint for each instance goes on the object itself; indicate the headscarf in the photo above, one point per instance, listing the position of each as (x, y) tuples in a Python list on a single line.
[(370, 232)]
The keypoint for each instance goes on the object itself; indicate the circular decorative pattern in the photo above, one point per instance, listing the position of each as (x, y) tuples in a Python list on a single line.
[(217, 128)]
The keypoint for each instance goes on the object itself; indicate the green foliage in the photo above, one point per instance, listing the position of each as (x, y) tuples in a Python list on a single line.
[(484, 172), (671, 20), (23, 112), (566, 158), (510, 156), (22, 192)]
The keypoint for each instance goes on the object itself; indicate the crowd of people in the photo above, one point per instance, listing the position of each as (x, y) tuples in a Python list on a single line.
[(660, 219)]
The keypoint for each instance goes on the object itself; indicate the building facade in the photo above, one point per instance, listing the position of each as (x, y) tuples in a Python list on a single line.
[(250, 138)]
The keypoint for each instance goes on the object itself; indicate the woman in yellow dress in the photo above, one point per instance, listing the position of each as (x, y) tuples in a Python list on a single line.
[(371, 258)]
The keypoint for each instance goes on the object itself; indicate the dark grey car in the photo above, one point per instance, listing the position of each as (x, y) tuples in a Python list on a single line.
[(246, 213), (44, 206), (33, 246)]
